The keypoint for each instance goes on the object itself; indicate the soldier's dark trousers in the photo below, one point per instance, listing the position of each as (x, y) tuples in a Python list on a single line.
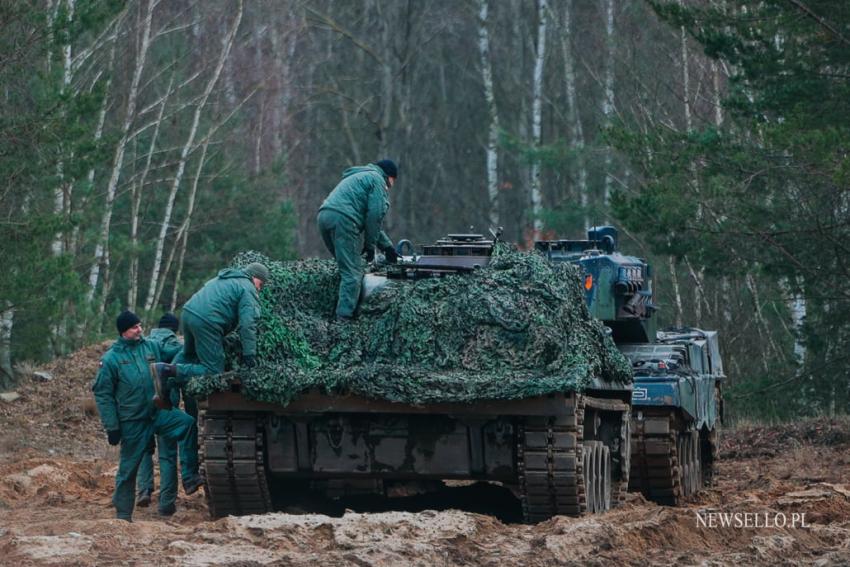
[(342, 239), (172, 426), (202, 354)]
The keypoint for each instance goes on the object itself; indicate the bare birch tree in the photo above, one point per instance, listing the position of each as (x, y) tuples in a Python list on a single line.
[(608, 97), (227, 45), (536, 115), (575, 123), (101, 257), (493, 127)]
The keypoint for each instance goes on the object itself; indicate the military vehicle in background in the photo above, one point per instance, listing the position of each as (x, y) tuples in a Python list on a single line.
[(565, 453), (676, 401)]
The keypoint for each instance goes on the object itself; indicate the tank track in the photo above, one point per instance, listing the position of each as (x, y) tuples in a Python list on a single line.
[(667, 460), (550, 463), (561, 472), (233, 465)]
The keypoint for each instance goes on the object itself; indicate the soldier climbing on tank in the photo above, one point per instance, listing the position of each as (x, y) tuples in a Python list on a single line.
[(228, 301), (123, 391), (165, 334), (356, 206)]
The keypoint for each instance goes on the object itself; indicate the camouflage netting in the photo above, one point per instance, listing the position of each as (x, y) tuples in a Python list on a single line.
[(517, 328)]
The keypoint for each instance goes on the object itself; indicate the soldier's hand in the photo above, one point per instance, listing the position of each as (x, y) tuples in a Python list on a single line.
[(152, 445), (114, 436), (249, 361), (391, 255), (369, 253)]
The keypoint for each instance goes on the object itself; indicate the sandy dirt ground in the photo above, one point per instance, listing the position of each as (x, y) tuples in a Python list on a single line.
[(57, 472)]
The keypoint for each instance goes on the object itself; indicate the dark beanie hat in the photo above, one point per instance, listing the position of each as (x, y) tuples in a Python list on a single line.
[(389, 167), (126, 320), (168, 321), (257, 270)]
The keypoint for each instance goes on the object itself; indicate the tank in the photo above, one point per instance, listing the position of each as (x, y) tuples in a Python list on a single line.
[(677, 399), (564, 453)]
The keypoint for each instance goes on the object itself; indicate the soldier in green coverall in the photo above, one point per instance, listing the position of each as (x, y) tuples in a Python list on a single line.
[(228, 301), (123, 391), (356, 207), (165, 335)]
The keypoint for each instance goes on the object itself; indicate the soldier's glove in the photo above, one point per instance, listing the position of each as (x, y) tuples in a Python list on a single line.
[(369, 253), (391, 255), (249, 360), (151, 448), (114, 436)]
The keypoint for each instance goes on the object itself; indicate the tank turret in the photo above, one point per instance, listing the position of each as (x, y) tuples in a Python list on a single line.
[(618, 288)]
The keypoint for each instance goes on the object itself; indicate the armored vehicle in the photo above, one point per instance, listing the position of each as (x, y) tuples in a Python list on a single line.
[(562, 453), (676, 402)]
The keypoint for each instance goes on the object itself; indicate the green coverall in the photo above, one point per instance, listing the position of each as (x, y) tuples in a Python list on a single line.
[(356, 206), (225, 302), (169, 343), (123, 390)]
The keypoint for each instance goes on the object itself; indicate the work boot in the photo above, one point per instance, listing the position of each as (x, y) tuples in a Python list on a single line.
[(168, 510), (143, 499), (344, 318), (161, 372), (192, 484)]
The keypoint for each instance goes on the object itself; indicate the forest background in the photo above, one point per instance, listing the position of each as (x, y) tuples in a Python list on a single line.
[(144, 142)]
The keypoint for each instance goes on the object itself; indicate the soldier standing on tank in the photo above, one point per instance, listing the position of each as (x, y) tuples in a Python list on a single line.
[(228, 301), (351, 214), (165, 334), (123, 391)]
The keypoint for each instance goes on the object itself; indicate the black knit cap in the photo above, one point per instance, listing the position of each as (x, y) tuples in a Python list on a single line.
[(169, 321), (126, 320), (389, 167)]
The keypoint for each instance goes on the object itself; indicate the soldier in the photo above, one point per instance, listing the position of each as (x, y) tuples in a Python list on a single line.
[(356, 207), (165, 335), (228, 301), (123, 390)]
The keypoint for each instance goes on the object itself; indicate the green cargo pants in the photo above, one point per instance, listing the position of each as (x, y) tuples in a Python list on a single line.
[(202, 353), (343, 240), (171, 426)]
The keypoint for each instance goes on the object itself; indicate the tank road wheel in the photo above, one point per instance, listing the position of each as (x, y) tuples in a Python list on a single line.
[(684, 464), (589, 475), (563, 472), (597, 476), (233, 463)]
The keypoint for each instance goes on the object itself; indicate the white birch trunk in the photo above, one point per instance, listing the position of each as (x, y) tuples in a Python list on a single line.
[(761, 324), (138, 191), (493, 130), (576, 127), (677, 293), (61, 194), (718, 96), (7, 320), (796, 301), (686, 75), (98, 135), (184, 156), (608, 99), (187, 224), (536, 115), (101, 256)]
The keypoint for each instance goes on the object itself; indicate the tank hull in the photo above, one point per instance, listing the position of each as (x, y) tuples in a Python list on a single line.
[(561, 453)]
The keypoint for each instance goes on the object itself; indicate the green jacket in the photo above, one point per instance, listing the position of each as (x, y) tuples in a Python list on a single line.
[(362, 197), (168, 342), (123, 388), (227, 301)]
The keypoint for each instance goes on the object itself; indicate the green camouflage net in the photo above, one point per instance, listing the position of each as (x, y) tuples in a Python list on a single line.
[(515, 329)]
